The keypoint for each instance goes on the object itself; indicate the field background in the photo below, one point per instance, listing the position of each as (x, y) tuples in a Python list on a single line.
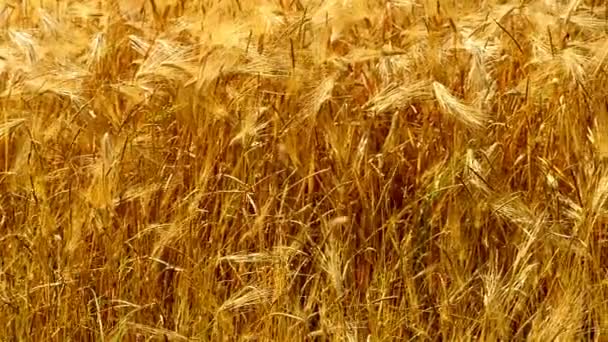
[(292, 170)]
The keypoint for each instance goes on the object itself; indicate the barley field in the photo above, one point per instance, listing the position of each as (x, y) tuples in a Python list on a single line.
[(303, 170)]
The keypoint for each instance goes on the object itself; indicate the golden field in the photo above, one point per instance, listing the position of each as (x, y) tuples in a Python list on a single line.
[(303, 170)]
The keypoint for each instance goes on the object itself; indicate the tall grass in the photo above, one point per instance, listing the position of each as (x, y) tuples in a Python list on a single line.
[(360, 170)]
